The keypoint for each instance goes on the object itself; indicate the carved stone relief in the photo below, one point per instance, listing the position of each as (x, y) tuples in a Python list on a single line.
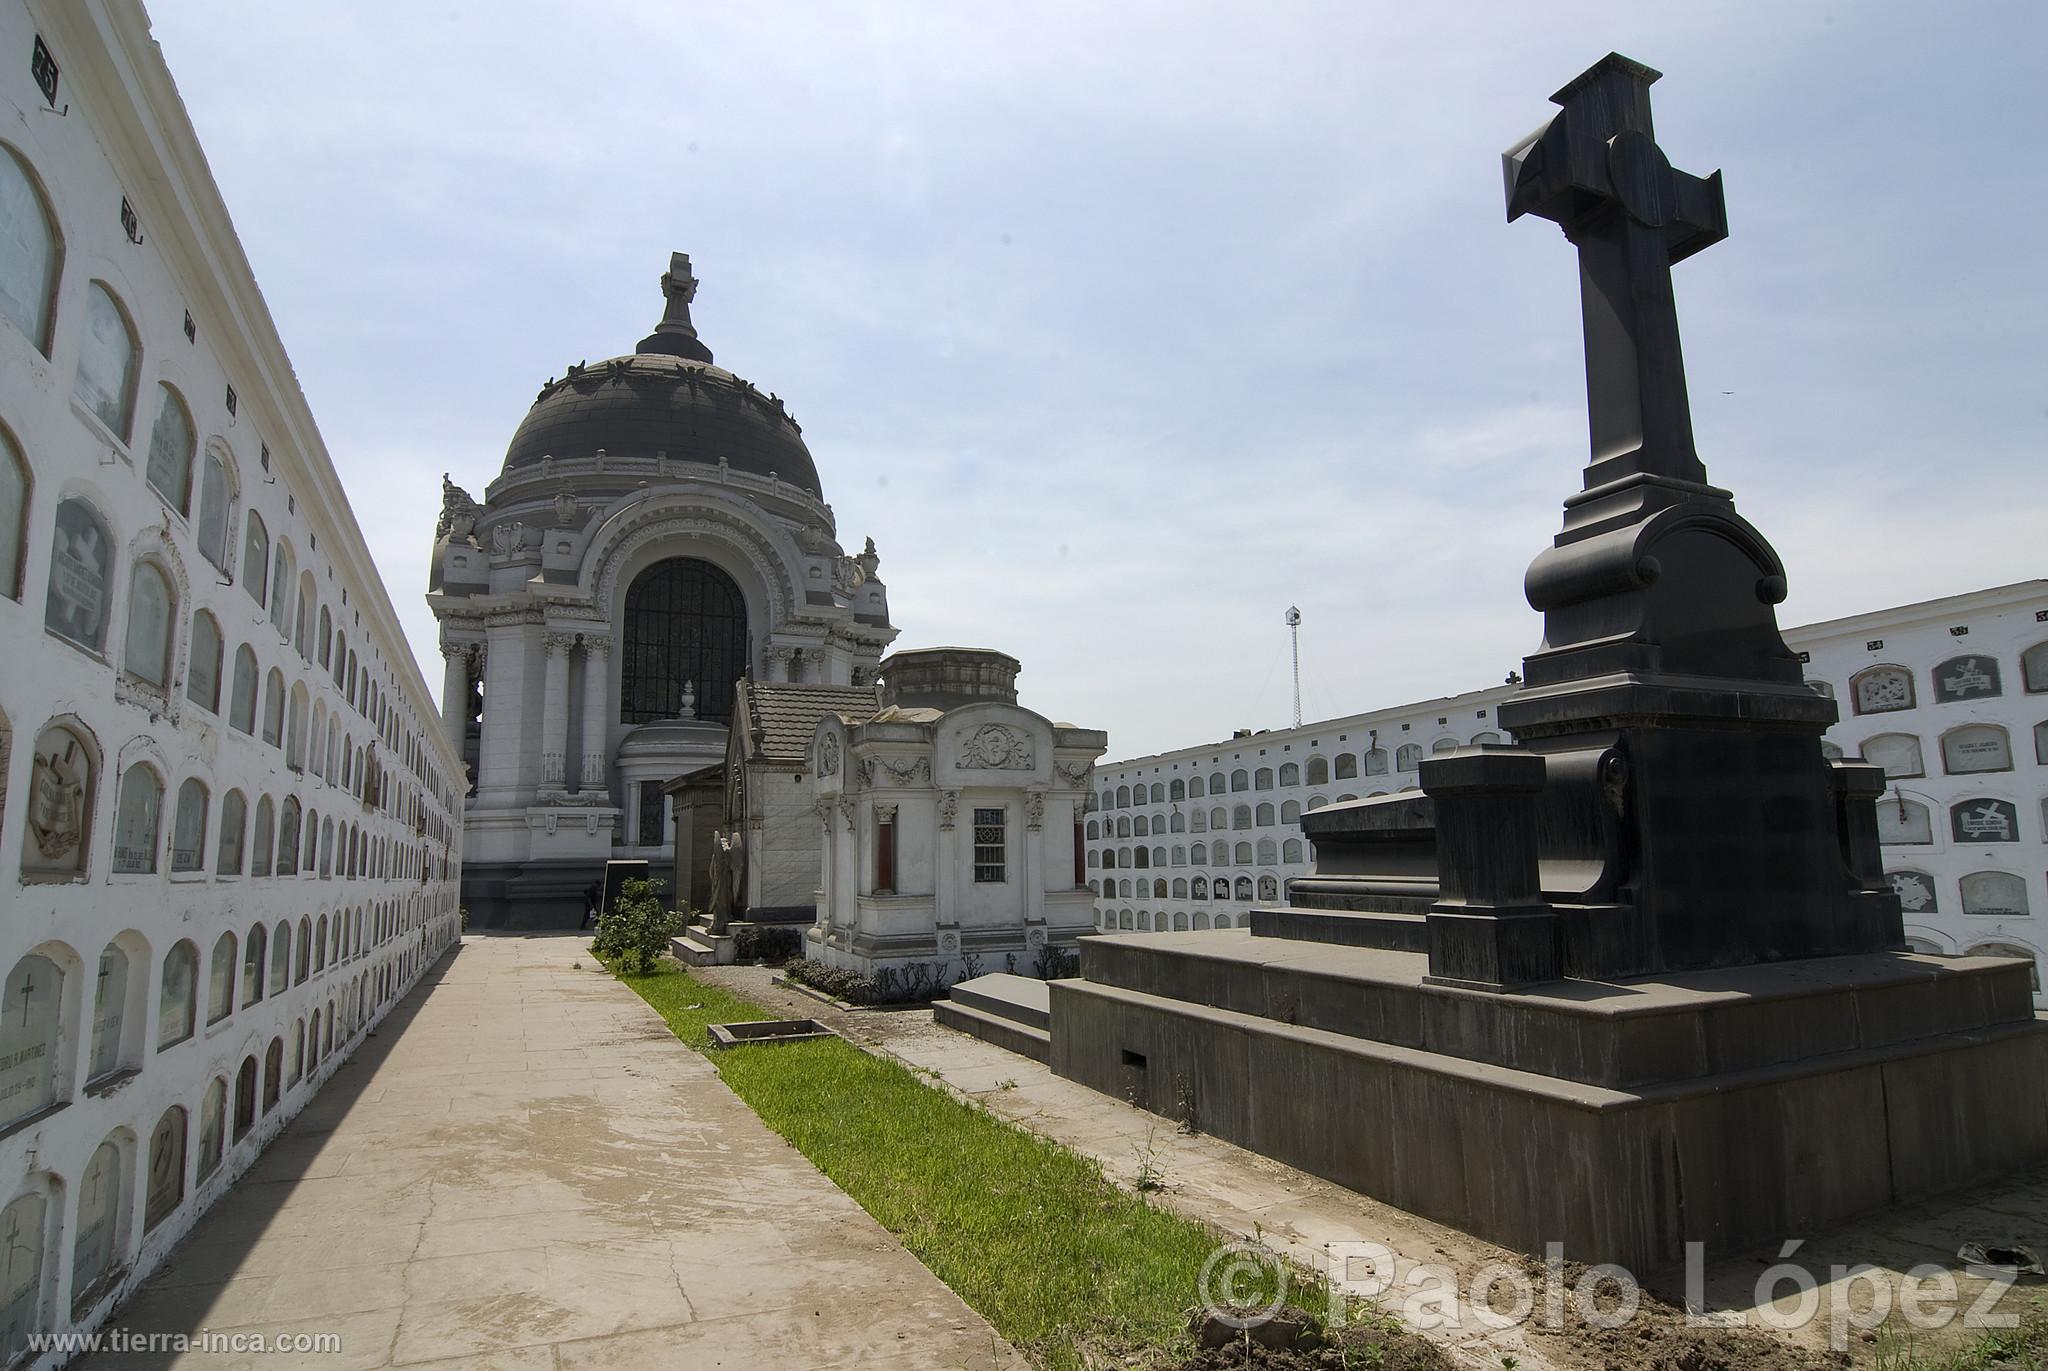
[(996, 747)]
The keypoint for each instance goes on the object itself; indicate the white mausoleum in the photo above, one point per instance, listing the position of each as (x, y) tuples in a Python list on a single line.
[(657, 534), (230, 827), (952, 823)]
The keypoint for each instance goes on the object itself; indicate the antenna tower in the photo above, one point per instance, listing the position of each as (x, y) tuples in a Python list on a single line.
[(1294, 633)]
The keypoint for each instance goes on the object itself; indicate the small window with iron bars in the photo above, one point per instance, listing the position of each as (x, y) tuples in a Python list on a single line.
[(990, 831)]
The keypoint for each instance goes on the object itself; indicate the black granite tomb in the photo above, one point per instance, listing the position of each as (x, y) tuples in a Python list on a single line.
[(1652, 943)]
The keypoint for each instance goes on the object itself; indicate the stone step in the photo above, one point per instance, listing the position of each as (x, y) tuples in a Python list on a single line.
[(995, 1030), (1020, 999), (692, 950), (1347, 928), (1624, 1035)]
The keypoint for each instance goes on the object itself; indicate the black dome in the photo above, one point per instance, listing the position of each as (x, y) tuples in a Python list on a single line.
[(650, 402), (667, 397)]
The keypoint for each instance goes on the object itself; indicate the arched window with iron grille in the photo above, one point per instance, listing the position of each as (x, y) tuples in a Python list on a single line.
[(686, 622)]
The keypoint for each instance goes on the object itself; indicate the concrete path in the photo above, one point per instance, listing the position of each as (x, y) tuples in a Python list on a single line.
[(525, 1169)]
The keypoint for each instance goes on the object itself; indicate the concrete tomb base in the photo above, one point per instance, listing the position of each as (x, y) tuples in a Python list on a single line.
[(1011, 1012), (1734, 1107)]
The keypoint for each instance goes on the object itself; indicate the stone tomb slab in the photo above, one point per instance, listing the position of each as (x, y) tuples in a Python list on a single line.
[(1620, 1034), (1730, 1107)]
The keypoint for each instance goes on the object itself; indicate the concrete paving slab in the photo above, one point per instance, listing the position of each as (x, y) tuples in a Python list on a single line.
[(524, 1169)]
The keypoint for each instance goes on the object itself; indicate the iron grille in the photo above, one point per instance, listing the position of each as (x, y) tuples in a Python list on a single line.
[(989, 846)]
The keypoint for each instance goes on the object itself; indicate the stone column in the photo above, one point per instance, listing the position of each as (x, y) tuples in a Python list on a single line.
[(502, 747), (1490, 926), (554, 711), (597, 697), (454, 693)]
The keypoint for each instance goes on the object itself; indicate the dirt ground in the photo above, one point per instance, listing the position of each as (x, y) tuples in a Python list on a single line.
[(1659, 1338), (1351, 1349)]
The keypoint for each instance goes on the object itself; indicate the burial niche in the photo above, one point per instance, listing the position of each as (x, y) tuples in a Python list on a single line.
[(1915, 890), (1976, 747), (177, 1002), (81, 561), (188, 827), (1904, 821), (21, 1273), (99, 1226), (1996, 893), (2033, 668), (60, 799), (1882, 689), (1985, 821), (136, 819), (1973, 677), (14, 487), (166, 1168), (212, 1126), (1897, 753), (109, 1002), (28, 1037)]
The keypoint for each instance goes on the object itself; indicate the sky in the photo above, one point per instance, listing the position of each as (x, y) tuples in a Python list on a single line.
[(1122, 328)]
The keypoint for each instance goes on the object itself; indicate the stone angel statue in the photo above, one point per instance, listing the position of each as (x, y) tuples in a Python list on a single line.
[(459, 512)]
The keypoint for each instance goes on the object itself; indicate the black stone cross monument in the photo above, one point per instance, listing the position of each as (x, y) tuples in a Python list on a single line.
[(1689, 818), (1652, 942), (1667, 807)]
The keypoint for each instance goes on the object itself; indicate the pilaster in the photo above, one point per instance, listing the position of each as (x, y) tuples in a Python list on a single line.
[(554, 711), (597, 695)]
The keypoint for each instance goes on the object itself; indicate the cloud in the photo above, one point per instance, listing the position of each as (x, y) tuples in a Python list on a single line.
[(1121, 329)]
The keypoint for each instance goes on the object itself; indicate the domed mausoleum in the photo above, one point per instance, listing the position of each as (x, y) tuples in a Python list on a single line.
[(658, 535)]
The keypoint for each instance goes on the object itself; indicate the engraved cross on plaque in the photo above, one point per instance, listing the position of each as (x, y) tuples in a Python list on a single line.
[(1597, 171)]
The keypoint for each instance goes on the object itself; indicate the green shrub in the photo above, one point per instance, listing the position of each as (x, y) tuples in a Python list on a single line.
[(913, 984), (633, 935), (773, 944)]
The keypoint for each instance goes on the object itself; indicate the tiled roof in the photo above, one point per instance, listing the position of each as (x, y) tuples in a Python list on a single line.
[(781, 717)]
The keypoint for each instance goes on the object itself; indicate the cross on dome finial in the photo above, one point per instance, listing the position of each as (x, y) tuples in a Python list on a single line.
[(677, 280), (675, 335)]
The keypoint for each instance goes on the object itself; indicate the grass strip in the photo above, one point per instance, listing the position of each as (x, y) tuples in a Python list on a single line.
[(2023, 1347), (1034, 1237)]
